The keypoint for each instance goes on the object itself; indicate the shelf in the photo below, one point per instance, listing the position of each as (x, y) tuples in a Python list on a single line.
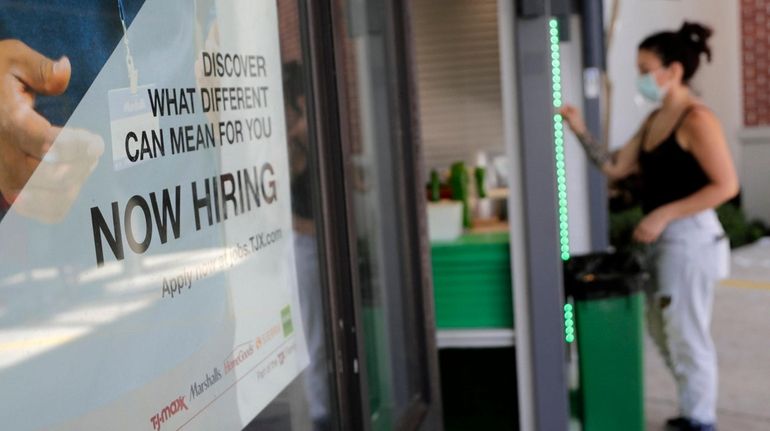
[(474, 338)]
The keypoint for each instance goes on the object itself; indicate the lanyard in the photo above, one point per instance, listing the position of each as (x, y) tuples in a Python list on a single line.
[(133, 74)]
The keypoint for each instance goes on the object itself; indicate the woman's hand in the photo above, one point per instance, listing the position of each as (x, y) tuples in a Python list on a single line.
[(651, 226), (574, 120)]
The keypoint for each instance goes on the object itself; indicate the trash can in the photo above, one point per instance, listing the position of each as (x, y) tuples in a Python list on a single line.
[(608, 301)]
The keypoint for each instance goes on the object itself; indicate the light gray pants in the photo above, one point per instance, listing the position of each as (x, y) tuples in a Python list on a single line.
[(690, 257), (316, 376)]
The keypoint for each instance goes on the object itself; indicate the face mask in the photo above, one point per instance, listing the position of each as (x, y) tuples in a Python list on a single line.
[(648, 87)]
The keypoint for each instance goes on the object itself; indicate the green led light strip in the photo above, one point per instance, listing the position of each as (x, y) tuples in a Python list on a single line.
[(558, 140), (569, 324), (561, 173)]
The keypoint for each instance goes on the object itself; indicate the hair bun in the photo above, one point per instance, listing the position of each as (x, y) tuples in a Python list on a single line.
[(697, 35)]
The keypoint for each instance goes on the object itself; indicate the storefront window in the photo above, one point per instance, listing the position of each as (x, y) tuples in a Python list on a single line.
[(306, 404), (159, 264)]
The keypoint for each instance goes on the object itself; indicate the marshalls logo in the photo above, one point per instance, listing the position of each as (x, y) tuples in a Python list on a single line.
[(170, 410)]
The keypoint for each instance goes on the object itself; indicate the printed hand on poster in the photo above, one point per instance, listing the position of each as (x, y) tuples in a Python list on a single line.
[(27, 138)]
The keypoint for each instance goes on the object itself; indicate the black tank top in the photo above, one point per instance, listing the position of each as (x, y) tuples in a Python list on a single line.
[(668, 172)]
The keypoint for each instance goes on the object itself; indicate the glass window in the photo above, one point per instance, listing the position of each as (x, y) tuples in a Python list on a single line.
[(308, 403), (159, 264)]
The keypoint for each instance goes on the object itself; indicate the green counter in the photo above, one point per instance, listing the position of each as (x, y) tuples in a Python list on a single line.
[(472, 282)]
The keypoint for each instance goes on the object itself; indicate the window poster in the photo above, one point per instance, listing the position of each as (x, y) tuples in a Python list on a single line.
[(147, 273)]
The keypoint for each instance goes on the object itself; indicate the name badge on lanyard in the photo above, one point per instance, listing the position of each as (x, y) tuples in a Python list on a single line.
[(132, 125)]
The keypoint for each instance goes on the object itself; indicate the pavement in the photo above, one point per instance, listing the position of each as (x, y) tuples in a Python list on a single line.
[(741, 330)]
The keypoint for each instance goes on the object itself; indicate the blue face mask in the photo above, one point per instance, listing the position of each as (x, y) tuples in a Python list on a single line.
[(648, 87)]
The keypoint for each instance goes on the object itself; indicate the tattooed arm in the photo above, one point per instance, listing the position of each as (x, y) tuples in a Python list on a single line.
[(616, 165)]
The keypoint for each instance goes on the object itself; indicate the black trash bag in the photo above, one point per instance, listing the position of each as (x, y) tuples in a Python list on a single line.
[(606, 274)]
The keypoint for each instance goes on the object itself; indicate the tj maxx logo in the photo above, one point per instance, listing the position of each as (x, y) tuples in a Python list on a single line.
[(170, 410)]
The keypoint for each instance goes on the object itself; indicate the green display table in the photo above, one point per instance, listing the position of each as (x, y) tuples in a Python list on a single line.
[(472, 282)]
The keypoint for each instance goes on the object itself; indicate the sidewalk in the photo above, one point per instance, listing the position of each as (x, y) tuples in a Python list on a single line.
[(741, 328)]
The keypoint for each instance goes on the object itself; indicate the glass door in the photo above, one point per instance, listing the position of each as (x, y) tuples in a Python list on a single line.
[(385, 199)]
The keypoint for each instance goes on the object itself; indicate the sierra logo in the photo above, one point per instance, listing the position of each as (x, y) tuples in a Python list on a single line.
[(170, 410)]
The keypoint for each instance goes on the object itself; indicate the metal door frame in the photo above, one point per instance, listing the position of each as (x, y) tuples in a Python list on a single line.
[(327, 111)]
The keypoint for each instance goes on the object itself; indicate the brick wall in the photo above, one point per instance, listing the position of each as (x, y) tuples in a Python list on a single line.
[(291, 50), (755, 29), (288, 24)]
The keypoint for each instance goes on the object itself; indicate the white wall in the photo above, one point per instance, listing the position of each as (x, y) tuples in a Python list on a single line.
[(756, 175), (718, 82), (576, 162)]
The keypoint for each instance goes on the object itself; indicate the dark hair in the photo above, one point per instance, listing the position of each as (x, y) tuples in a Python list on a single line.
[(684, 46), (293, 85)]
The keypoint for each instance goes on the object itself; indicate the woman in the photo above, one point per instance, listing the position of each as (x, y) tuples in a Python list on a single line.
[(686, 170)]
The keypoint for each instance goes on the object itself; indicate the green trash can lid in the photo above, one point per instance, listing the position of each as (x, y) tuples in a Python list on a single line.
[(604, 275)]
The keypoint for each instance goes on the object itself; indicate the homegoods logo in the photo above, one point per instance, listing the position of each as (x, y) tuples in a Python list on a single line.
[(170, 410), (288, 326)]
